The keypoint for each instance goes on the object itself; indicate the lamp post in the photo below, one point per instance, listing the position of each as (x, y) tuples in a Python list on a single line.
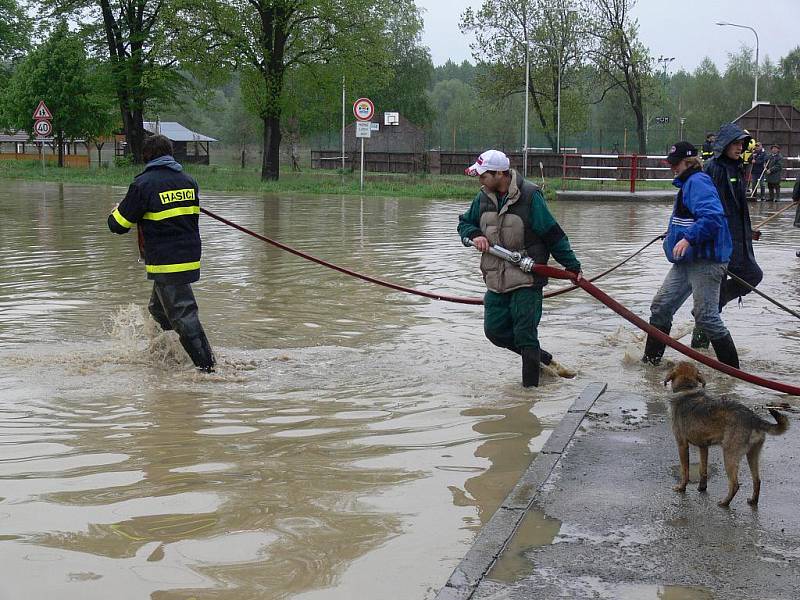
[(726, 24), (565, 11), (527, 98)]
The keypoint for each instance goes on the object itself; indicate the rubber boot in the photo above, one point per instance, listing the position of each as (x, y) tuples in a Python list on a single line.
[(726, 351), (699, 338), (530, 367), (654, 349), (199, 350)]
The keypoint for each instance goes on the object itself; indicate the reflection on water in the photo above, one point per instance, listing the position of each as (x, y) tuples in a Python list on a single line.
[(351, 430)]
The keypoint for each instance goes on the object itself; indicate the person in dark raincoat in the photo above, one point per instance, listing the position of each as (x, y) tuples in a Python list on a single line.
[(774, 172), (727, 172)]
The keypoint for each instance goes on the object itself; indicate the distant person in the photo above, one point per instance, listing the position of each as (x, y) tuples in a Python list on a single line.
[(165, 203), (747, 161), (698, 244), (708, 146), (615, 149), (774, 172), (511, 212), (757, 175), (727, 172)]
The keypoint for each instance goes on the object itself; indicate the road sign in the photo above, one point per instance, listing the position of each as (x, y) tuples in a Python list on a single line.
[(375, 126), (662, 120), (363, 109), (42, 112), (363, 129), (43, 128)]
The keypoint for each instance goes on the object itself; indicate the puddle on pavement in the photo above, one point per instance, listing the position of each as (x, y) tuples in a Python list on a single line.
[(656, 592), (536, 530)]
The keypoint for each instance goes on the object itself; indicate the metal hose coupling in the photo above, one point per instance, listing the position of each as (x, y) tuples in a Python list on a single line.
[(523, 262)]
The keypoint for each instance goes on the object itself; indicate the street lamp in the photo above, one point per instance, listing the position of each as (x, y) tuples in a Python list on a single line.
[(726, 24)]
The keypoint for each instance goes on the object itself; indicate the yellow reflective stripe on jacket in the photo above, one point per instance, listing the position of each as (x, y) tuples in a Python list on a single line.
[(172, 212), (120, 219), (175, 268)]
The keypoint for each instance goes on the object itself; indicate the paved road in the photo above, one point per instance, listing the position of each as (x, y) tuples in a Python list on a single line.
[(619, 531)]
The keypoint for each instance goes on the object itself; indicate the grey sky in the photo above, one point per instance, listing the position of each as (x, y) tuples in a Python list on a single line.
[(684, 30)]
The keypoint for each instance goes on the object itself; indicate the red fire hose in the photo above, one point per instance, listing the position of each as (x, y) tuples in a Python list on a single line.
[(546, 271)]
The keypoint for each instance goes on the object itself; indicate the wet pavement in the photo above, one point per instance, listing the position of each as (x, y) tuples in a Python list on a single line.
[(608, 525)]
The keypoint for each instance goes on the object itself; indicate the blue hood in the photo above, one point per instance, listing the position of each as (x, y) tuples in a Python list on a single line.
[(729, 132), (165, 161)]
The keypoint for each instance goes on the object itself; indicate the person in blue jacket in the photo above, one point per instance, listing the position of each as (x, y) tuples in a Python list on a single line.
[(698, 244)]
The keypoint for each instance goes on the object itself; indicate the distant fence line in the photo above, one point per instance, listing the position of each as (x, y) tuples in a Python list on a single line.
[(629, 168)]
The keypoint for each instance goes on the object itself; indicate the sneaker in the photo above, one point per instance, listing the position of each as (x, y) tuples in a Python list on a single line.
[(699, 339)]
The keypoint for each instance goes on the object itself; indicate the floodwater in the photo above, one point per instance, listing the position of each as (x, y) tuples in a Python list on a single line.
[(354, 438)]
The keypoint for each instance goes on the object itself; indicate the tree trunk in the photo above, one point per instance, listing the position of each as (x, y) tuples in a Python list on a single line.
[(640, 130), (99, 152), (270, 167)]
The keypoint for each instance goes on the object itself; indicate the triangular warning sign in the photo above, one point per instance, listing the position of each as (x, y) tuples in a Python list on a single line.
[(42, 112)]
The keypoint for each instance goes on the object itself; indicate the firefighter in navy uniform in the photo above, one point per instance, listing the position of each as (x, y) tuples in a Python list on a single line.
[(164, 202)]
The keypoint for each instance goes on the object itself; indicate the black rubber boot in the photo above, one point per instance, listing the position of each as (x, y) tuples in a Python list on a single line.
[(654, 349), (726, 351), (199, 350), (699, 338), (530, 367)]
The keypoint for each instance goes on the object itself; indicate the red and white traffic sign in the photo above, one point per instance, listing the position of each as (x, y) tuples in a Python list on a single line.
[(43, 128), (42, 112), (363, 109)]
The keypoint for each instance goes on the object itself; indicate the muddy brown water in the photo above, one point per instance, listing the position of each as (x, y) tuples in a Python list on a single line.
[(353, 440)]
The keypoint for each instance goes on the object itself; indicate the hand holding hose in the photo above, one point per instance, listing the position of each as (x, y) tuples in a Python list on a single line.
[(481, 243)]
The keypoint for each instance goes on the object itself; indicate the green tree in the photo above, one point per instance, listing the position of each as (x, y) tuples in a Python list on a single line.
[(56, 72), (137, 38), (618, 55), (271, 39), (502, 28)]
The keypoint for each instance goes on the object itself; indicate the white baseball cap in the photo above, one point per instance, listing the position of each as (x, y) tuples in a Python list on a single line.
[(491, 160)]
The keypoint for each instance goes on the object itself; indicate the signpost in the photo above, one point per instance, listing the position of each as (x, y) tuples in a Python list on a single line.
[(363, 109), (41, 125)]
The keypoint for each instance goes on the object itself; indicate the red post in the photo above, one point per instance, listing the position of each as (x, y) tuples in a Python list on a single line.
[(563, 169), (634, 166)]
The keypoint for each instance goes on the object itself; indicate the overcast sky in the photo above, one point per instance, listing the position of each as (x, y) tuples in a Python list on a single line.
[(683, 30)]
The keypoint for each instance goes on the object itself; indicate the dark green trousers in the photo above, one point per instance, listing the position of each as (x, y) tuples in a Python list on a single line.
[(511, 320)]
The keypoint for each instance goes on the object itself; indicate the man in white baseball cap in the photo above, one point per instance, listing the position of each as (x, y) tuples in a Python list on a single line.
[(491, 160), (511, 212)]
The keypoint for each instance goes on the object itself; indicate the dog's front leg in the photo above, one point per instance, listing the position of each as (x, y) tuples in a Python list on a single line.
[(683, 453), (703, 469)]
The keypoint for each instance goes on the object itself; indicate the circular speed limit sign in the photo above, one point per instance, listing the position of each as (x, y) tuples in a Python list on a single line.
[(43, 128), (363, 109)]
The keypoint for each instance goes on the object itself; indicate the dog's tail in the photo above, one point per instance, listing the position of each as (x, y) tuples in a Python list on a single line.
[(778, 428)]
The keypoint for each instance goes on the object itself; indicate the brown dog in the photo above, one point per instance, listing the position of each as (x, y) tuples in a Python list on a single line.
[(703, 421)]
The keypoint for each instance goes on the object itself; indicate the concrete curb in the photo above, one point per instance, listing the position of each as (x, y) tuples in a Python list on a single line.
[(496, 534)]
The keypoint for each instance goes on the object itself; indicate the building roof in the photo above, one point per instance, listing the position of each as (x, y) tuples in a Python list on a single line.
[(176, 132)]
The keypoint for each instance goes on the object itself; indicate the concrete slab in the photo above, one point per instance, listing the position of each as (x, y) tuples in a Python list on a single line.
[(666, 195), (624, 533)]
